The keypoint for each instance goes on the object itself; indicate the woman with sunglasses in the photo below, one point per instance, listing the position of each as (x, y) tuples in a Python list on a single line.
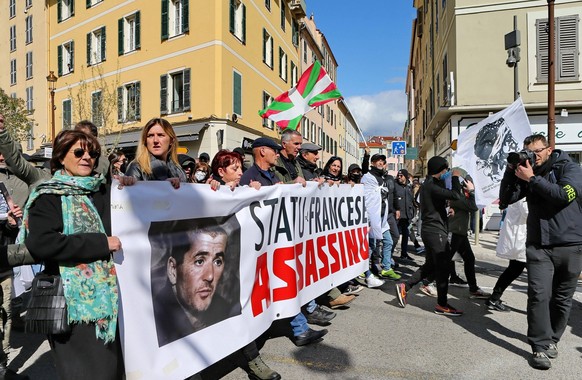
[(157, 155), (67, 225)]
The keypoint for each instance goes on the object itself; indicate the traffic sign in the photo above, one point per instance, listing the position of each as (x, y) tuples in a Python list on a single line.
[(398, 148), (411, 153)]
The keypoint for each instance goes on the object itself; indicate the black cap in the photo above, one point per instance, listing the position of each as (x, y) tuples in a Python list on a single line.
[(186, 160), (239, 150), (353, 167), (436, 165), (378, 156), (204, 157), (265, 141), (404, 172)]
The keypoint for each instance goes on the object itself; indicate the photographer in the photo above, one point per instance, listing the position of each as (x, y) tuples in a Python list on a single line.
[(552, 185)]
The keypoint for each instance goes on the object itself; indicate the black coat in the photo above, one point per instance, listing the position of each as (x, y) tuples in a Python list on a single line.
[(433, 203), (404, 197), (254, 173)]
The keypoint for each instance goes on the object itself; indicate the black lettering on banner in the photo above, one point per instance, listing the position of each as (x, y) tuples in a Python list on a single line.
[(283, 223), (325, 216), (272, 203), (252, 207), (342, 221), (349, 201)]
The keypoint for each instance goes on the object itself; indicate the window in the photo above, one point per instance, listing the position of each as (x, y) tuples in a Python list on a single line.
[(236, 93), (65, 9), (445, 80), (283, 9), (29, 102), (267, 49), (129, 102), (282, 64), (267, 99), (12, 8), (567, 49), (92, 3), (238, 23), (295, 33), (28, 64), (28, 29), (66, 58), (97, 109), (28, 4), (268, 4), (96, 46), (175, 18), (436, 17), (304, 51), (67, 114), (129, 33), (13, 71), (30, 136), (13, 38), (293, 74), (175, 92)]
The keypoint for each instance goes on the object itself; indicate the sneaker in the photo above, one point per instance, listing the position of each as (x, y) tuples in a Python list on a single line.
[(540, 360), (552, 351), (353, 290), (390, 274), (406, 259), (341, 302), (447, 310), (459, 282), (320, 316), (373, 281), (258, 370), (401, 293), (429, 290), (496, 305), (479, 294), (362, 276), (419, 250)]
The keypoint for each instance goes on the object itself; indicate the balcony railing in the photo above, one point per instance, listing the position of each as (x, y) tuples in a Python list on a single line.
[(298, 8)]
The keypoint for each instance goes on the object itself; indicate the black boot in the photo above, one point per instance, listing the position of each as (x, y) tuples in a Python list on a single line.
[(8, 374)]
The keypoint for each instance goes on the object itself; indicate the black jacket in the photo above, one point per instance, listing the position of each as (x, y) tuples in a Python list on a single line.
[(310, 170), (254, 173), (389, 184), (433, 203), (404, 198), (553, 199)]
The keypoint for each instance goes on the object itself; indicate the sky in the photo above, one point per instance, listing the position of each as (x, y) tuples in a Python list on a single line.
[(370, 40)]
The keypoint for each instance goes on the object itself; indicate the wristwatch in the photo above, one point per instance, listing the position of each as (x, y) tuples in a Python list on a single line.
[(532, 178)]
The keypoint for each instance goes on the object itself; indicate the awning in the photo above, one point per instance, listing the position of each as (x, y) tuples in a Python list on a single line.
[(184, 132)]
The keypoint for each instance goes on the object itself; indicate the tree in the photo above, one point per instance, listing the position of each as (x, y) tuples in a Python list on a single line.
[(17, 117)]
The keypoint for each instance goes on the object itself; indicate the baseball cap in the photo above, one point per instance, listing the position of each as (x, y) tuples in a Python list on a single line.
[(265, 141), (377, 157), (309, 147)]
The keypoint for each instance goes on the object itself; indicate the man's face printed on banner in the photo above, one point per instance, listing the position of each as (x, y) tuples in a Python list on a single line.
[(492, 145)]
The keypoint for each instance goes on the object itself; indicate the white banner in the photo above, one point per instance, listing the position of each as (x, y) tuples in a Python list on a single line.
[(482, 149), (202, 273)]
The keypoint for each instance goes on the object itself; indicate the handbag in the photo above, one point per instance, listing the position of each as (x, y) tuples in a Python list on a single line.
[(47, 308)]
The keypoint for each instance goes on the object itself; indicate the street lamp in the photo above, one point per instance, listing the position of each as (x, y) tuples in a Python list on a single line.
[(52, 80), (512, 42)]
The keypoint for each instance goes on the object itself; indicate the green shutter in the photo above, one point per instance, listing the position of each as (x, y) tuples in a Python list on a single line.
[(88, 4), (186, 90), (163, 94), (72, 56), (231, 16), (72, 8), (103, 44), (120, 37), (137, 31), (138, 101), (244, 24), (185, 16), (165, 26), (59, 10), (120, 104), (237, 93), (60, 60), (88, 49)]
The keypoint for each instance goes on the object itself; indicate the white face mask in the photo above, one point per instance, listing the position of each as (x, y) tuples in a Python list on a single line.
[(199, 175)]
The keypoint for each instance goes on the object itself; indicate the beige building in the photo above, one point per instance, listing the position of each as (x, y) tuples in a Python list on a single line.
[(458, 72)]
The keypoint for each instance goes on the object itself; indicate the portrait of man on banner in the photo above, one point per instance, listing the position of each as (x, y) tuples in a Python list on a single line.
[(195, 274)]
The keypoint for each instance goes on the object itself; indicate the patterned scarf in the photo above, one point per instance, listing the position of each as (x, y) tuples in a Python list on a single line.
[(90, 288)]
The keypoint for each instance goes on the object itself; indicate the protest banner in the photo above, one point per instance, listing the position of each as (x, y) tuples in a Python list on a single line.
[(202, 273)]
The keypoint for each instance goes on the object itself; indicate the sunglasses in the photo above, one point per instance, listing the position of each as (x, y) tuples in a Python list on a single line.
[(80, 152)]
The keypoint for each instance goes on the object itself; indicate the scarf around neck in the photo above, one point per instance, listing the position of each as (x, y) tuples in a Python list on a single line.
[(90, 288)]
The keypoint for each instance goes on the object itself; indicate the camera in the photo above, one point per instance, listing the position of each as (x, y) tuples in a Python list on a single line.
[(521, 157)]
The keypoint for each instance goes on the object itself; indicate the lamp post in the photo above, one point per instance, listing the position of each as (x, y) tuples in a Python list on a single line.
[(512, 42), (52, 80), (551, 76)]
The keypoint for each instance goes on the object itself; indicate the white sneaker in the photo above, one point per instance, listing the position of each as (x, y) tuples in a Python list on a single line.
[(429, 290), (374, 282)]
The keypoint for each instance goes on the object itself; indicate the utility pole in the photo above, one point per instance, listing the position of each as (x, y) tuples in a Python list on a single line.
[(512, 43), (551, 76)]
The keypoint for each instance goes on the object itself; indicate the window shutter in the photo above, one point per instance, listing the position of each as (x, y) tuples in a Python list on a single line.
[(137, 31), (72, 8), (72, 56), (60, 60), (272, 52), (244, 24), (60, 10), (186, 90), (163, 94), (231, 17), (138, 101), (120, 48), (185, 16), (567, 47), (265, 36), (88, 49), (88, 4), (237, 108), (120, 104), (165, 26), (103, 44)]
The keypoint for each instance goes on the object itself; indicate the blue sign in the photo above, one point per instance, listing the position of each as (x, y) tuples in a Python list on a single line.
[(398, 148)]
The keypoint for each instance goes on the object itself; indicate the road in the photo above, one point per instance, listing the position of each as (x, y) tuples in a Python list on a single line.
[(376, 339)]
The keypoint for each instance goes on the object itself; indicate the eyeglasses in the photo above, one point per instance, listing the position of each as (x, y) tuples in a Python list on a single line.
[(538, 151), (80, 152)]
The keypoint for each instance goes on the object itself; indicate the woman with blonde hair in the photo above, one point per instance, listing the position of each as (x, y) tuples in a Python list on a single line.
[(157, 155)]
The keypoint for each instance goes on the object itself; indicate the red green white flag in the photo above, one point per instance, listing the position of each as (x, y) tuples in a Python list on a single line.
[(313, 89)]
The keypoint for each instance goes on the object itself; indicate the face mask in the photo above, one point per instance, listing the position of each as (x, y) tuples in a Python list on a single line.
[(123, 167), (446, 175), (199, 175), (356, 177)]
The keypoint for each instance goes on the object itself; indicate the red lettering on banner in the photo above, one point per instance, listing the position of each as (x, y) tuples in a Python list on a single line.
[(261, 291), (342, 250), (365, 253), (331, 240), (324, 271), (310, 263), (351, 243), (298, 265), (285, 273)]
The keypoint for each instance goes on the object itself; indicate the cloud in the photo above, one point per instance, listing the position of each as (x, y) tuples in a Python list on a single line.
[(380, 114)]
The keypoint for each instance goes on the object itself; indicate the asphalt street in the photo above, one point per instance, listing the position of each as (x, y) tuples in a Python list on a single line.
[(377, 339)]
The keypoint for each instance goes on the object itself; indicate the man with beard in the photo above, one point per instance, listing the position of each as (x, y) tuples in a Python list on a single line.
[(553, 190)]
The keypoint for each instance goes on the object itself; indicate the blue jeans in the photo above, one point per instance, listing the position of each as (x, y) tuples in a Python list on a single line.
[(299, 322), (386, 249)]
